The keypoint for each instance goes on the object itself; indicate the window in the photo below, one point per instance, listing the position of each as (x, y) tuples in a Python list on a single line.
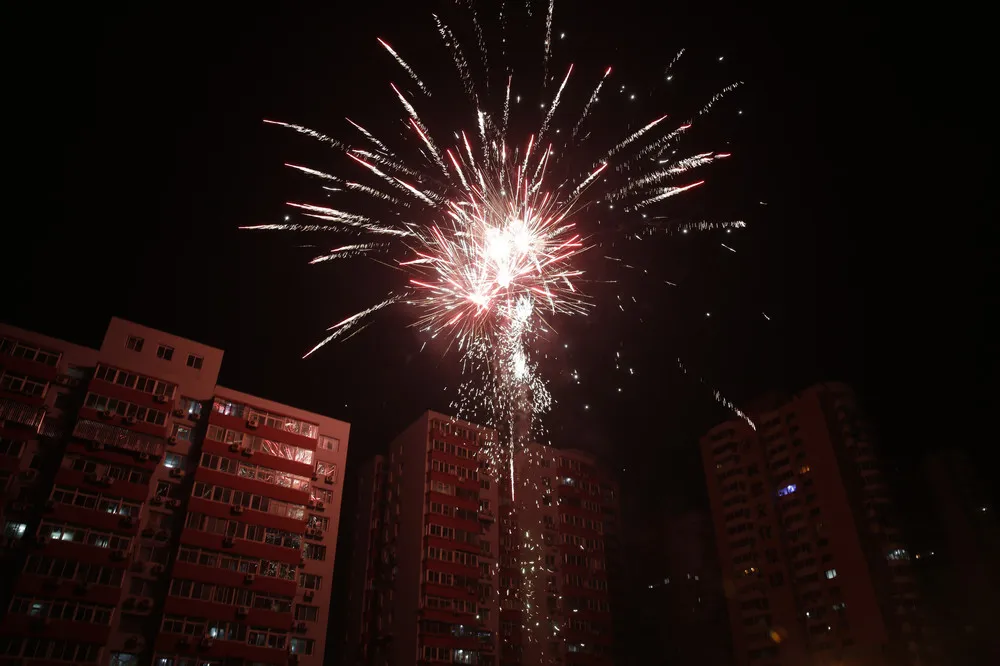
[(23, 350), (134, 343), (194, 361), (11, 447), (182, 433), (329, 443), (14, 530), (23, 384), (164, 352), (831, 573), (302, 646), (306, 613), (322, 495), (175, 460), (314, 551), (310, 581), (191, 407)]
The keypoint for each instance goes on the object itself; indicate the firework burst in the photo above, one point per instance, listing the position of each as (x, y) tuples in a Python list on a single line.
[(488, 228)]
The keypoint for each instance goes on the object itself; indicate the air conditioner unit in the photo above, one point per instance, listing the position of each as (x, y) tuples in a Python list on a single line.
[(315, 477), (235, 448), (237, 509), (312, 503), (253, 421), (242, 611), (107, 414), (177, 473), (144, 456), (172, 440), (320, 507), (179, 413), (247, 451), (130, 420), (308, 595), (174, 503), (249, 578), (160, 398), (107, 480), (329, 479)]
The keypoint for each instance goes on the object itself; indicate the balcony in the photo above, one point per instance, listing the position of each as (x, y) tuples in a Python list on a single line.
[(120, 438), (26, 415)]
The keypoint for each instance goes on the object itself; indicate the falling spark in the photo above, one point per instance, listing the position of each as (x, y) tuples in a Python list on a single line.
[(402, 63), (486, 232)]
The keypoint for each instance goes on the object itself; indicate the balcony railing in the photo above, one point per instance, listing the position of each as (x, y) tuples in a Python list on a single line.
[(26, 415), (119, 438)]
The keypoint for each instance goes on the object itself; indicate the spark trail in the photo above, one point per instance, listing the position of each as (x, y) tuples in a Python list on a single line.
[(488, 224)]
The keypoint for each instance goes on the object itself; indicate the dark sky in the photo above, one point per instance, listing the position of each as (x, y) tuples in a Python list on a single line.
[(138, 149)]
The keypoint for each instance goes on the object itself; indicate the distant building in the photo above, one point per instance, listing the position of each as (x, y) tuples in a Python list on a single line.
[(956, 541), (442, 554), (153, 517), (812, 557)]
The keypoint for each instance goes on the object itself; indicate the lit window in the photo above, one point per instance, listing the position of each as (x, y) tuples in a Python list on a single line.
[(302, 646), (134, 343), (195, 361), (329, 443), (14, 530), (182, 433), (804, 469), (174, 461), (787, 490), (164, 352), (898, 554), (831, 573)]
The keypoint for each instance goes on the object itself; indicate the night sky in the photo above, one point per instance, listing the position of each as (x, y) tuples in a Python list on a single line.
[(138, 149)]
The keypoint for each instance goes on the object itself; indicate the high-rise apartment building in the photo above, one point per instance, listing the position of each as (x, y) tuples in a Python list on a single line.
[(153, 517), (445, 558), (811, 554)]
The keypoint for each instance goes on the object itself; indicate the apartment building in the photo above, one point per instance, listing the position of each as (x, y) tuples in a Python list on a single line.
[(442, 546), (811, 553), (152, 516)]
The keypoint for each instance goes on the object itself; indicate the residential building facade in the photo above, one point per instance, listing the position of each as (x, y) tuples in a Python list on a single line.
[(152, 516), (812, 556), (442, 541)]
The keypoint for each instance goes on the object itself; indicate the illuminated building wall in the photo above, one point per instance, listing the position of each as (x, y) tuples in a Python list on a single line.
[(152, 516), (813, 562), (441, 555)]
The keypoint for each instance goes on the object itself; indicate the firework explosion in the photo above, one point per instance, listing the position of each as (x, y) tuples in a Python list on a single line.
[(489, 224)]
